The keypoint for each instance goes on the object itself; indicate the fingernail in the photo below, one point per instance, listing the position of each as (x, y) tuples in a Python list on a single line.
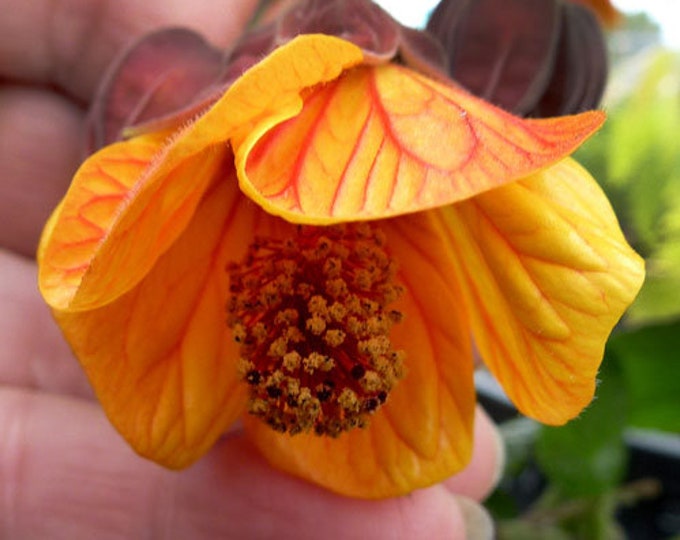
[(478, 522), (501, 457)]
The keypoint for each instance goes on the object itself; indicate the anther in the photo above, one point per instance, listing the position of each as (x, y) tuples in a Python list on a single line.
[(311, 314)]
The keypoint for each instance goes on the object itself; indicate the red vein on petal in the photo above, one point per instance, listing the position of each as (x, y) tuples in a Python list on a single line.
[(296, 172), (343, 176)]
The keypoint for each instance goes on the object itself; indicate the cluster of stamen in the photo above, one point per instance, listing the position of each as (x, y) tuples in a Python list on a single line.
[(311, 315)]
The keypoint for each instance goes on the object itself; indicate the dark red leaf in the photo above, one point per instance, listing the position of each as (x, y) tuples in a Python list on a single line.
[(360, 21), (580, 72), (501, 50), (422, 52), (161, 76)]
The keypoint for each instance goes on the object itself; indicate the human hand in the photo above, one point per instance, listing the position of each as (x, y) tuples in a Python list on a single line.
[(64, 472)]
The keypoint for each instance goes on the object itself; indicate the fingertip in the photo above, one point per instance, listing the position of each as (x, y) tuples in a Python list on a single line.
[(300, 510), (71, 43), (485, 469), (40, 152), (477, 521)]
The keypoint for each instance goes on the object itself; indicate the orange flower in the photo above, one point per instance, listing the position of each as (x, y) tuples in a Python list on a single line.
[(490, 231)]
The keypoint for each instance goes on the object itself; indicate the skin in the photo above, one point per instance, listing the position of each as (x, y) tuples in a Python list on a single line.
[(64, 471)]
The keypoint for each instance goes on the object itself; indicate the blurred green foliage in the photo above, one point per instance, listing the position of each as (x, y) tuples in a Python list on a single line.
[(636, 158)]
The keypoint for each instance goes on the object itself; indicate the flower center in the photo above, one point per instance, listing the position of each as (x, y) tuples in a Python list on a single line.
[(311, 315)]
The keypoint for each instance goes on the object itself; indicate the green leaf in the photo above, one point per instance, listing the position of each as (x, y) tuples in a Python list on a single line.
[(588, 456), (649, 359)]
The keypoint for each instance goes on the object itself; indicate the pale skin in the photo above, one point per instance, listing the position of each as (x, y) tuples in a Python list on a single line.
[(64, 471)]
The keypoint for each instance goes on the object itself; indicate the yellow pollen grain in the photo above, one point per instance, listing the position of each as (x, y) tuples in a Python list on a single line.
[(334, 337), (305, 395), (258, 406), (284, 285), (243, 367), (382, 365), (363, 280), (313, 361), (292, 361), (348, 400), (337, 311), (353, 304), (293, 387), (371, 382), (377, 325), (293, 334), (270, 295), (316, 325), (276, 378), (328, 364), (369, 306), (311, 405), (375, 346), (278, 347), (356, 327), (317, 305), (391, 293), (259, 332), (239, 332), (287, 316), (336, 288)]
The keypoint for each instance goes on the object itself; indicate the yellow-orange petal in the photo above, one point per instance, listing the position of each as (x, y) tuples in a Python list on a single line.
[(161, 358), (424, 432), (121, 212), (131, 200), (547, 273), (385, 140)]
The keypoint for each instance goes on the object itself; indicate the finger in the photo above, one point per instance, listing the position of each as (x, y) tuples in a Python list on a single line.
[(69, 43), (33, 352), (66, 474), (484, 471), (40, 141)]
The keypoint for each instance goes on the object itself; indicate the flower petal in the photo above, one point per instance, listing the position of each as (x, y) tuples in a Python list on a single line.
[(385, 140), (272, 88), (424, 432), (547, 275), (161, 358), (119, 215), (129, 202)]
